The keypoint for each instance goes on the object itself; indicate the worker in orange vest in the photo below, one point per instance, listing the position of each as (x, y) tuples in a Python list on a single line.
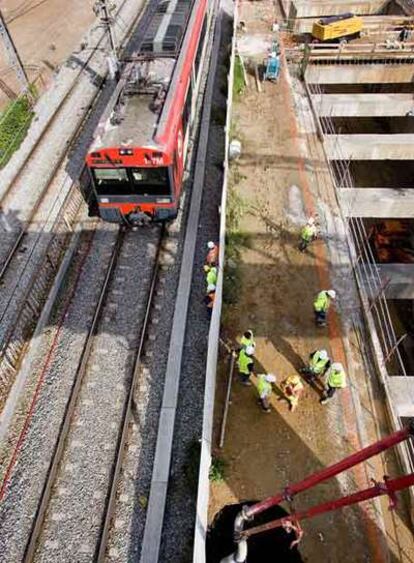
[(210, 298), (212, 254)]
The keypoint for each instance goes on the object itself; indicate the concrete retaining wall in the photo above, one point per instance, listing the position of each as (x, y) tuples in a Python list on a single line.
[(306, 9), (199, 554)]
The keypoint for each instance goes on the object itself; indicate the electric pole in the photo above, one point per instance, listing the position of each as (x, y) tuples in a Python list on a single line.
[(13, 55), (102, 10)]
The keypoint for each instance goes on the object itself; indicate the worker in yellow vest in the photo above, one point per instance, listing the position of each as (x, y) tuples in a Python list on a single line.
[(292, 387), (308, 234), (319, 362), (322, 304), (245, 363), (264, 389), (247, 339), (335, 379), (211, 274)]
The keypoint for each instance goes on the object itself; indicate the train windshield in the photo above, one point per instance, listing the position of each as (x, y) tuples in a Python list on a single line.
[(132, 181)]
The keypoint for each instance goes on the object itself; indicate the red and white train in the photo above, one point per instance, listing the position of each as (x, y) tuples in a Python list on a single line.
[(140, 146)]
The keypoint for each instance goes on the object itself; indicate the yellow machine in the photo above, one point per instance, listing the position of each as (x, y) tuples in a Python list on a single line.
[(335, 28)]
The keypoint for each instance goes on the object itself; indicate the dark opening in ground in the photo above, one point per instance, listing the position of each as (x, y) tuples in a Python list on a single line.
[(391, 88), (269, 547), (402, 316), (376, 173), (368, 125)]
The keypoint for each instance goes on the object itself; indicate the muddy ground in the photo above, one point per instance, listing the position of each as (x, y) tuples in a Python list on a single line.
[(264, 452)]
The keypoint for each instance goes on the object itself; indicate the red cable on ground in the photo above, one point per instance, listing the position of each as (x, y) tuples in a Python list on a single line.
[(49, 357)]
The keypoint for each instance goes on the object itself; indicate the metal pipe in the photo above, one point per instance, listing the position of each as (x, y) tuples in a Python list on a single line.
[(227, 401), (387, 487), (332, 470)]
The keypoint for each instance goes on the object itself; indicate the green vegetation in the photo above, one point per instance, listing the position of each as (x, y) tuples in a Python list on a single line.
[(217, 470), (238, 81), (15, 121)]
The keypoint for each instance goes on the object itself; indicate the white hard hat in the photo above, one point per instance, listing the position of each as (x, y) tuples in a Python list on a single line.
[(273, 54), (323, 354), (337, 366), (211, 288), (311, 221), (210, 245), (270, 378), (249, 350), (331, 293)]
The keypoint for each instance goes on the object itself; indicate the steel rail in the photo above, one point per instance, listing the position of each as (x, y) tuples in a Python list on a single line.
[(31, 545), (128, 411), (41, 139)]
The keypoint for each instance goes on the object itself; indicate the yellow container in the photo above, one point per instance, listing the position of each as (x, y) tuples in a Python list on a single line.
[(337, 27)]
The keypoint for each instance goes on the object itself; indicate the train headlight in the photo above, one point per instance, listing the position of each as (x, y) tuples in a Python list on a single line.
[(104, 200), (163, 200)]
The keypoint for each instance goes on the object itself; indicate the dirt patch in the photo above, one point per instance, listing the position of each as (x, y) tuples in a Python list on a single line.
[(45, 33), (265, 452)]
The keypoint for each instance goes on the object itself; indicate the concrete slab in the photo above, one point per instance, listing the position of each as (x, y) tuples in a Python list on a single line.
[(378, 202), (306, 9), (398, 280), (363, 104), (359, 73), (401, 389), (370, 147)]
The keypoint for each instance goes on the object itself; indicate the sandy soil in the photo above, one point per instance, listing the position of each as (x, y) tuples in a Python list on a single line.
[(265, 452), (45, 33)]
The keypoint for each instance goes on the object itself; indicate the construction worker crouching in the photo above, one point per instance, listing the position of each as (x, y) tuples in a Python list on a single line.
[(212, 254), (292, 387), (319, 362), (322, 304), (335, 379), (245, 364), (264, 389), (247, 340), (308, 234)]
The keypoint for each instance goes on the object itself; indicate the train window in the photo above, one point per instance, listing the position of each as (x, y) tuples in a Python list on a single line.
[(150, 181), (200, 47), (111, 181)]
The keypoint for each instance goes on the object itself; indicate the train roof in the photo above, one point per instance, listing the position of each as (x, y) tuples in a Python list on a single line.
[(137, 105)]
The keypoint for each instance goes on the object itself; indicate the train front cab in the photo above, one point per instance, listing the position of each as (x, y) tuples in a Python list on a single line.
[(135, 194)]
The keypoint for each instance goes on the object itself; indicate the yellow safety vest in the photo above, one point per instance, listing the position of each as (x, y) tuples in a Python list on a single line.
[(307, 233), (247, 342), (337, 379), (244, 361), (321, 302), (212, 276), (317, 364), (264, 388)]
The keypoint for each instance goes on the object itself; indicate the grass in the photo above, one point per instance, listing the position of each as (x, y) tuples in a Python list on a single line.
[(238, 81), (217, 470), (15, 121)]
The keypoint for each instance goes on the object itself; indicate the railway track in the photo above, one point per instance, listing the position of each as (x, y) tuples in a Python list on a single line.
[(37, 237), (99, 410)]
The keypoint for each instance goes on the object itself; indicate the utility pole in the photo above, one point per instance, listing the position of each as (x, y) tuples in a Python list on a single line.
[(13, 55), (102, 10)]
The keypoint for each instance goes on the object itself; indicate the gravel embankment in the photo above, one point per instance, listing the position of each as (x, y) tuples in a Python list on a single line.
[(21, 496)]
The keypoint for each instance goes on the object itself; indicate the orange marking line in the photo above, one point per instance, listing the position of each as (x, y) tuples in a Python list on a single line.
[(336, 344)]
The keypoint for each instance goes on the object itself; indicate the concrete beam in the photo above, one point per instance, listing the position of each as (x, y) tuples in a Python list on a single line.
[(317, 8), (362, 104), (359, 74), (370, 147), (398, 280), (401, 389), (386, 203)]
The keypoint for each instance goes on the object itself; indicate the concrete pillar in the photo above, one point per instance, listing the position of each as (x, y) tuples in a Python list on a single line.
[(385, 203), (369, 147)]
